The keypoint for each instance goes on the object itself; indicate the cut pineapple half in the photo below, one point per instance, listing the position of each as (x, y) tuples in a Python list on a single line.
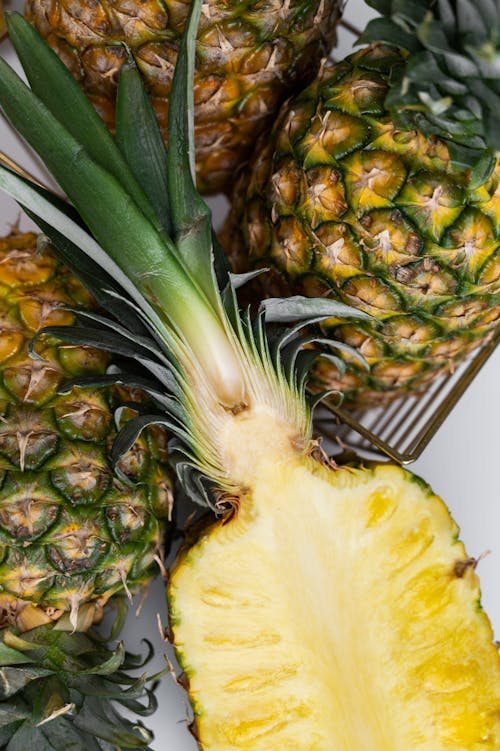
[(346, 619)]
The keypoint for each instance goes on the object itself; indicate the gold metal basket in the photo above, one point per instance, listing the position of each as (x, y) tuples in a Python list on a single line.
[(402, 429)]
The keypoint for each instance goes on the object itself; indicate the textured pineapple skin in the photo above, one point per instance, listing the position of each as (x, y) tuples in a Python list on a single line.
[(249, 57), (354, 626), (340, 203), (70, 531)]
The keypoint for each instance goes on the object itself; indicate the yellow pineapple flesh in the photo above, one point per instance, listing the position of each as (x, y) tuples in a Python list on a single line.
[(335, 610)]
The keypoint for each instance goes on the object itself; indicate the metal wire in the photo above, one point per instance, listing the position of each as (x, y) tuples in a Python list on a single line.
[(402, 429)]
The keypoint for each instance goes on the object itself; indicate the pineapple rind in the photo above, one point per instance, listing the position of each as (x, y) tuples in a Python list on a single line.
[(355, 625), (249, 57), (377, 218), (70, 530)]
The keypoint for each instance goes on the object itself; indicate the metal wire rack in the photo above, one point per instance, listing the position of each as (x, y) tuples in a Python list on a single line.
[(402, 429)]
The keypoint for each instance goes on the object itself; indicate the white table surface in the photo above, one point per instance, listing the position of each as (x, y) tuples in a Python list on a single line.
[(460, 464)]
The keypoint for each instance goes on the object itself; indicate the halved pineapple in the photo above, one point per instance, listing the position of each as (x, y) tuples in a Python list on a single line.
[(348, 619)]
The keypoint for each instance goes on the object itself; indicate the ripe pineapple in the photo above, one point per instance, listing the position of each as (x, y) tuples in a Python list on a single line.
[(72, 536), (249, 57), (355, 625), (365, 195)]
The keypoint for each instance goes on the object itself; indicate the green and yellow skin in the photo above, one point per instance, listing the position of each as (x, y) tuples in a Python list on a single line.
[(342, 201), (250, 57), (75, 540), (70, 532)]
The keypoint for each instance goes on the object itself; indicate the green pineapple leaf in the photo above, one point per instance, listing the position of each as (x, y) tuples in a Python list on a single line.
[(386, 31), (450, 85), (339, 364), (9, 656), (303, 364), (298, 308), (139, 139), (100, 285), (13, 679), (98, 718), (120, 378), (110, 665), (50, 707), (191, 217), (141, 709), (143, 342), (290, 352), (133, 428), (108, 210), (59, 733), (12, 712), (50, 697), (49, 213), (69, 105), (94, 337)]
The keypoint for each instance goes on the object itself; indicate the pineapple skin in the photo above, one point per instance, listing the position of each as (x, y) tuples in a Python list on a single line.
[(356, 625), (340, 203), (250, 56), (71, 533)]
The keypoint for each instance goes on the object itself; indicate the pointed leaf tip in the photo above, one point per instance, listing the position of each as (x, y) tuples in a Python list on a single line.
[(298, 308), (190, 215)]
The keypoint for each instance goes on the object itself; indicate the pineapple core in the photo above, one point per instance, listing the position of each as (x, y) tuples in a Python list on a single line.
[(337, 611)]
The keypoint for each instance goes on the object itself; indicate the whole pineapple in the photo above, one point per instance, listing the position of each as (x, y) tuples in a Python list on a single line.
[(249, 57), (379, 186), (72, 535)]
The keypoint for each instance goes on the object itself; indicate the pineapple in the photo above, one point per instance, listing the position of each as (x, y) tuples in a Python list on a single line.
[(249, 57), (71, 535), (355, 625), (377, 188)]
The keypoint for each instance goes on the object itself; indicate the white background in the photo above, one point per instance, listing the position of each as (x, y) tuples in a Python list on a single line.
[(462, 464)]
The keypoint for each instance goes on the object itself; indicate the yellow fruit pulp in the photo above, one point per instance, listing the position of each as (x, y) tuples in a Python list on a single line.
[(336, 611)]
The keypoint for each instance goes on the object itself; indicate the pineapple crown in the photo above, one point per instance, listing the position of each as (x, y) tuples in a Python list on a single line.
[(139, 236), (63, 690), (450, 84)]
